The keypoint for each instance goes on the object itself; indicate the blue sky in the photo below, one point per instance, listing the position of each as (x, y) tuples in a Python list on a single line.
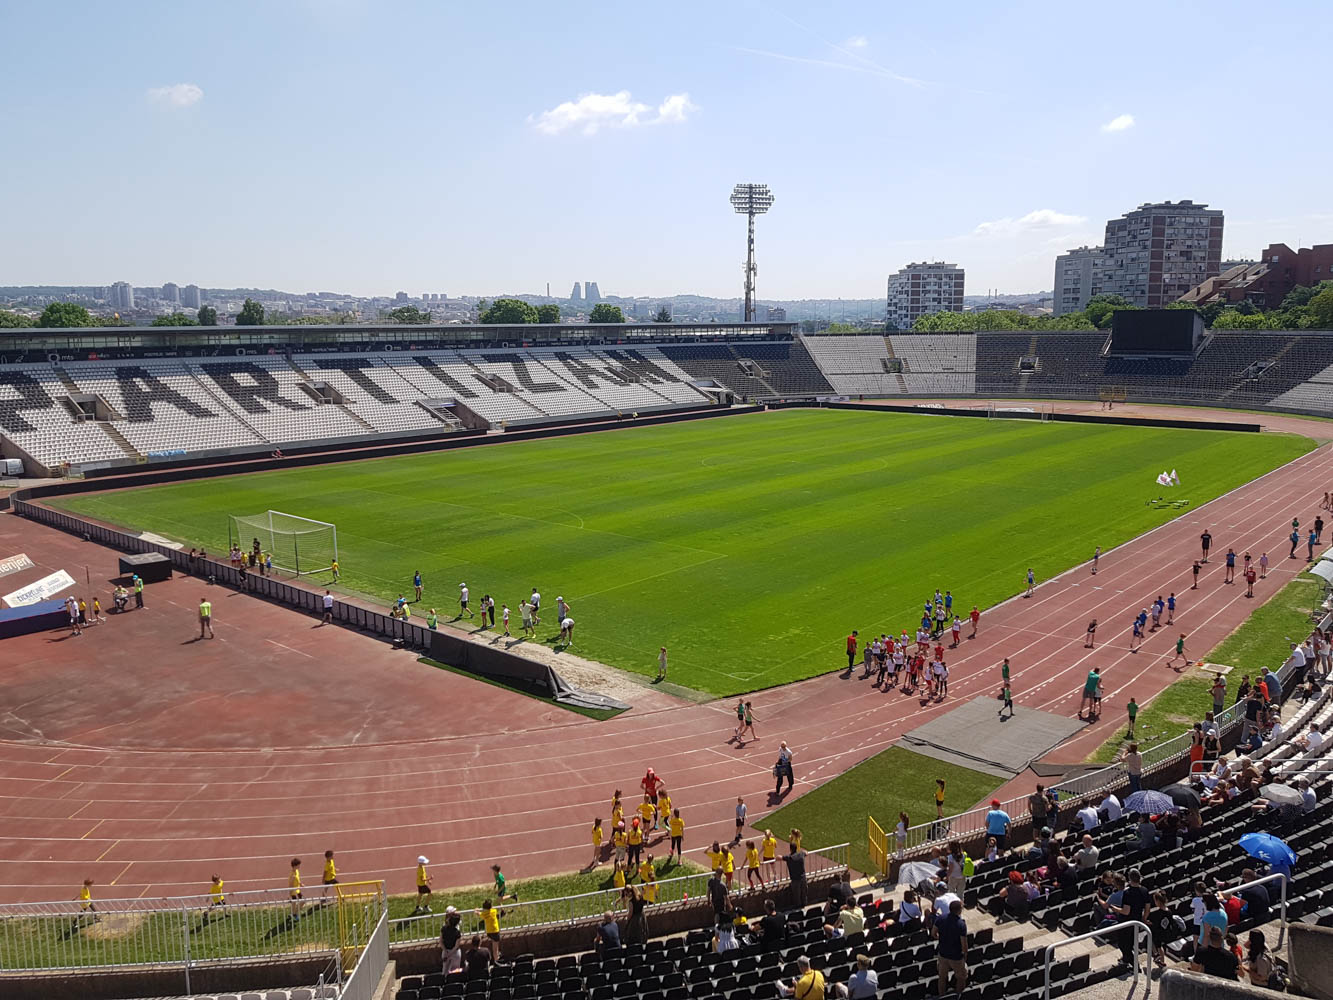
[(490, 147)]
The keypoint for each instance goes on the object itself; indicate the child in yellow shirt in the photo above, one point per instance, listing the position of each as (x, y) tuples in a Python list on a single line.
[(596, 843), (648, 876), (648, 812), (677, 836), (752, 865), (663, 809), (619, 842), (714, 856), (728, 865), (769, 850), (618, 876)]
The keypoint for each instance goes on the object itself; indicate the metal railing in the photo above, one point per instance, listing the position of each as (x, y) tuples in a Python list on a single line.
[(190, 930), (565, 910), (1282, 886), (1157, 757), (1136, 926)]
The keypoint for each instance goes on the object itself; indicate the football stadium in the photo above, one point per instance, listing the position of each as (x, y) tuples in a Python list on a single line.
[(376, 661)]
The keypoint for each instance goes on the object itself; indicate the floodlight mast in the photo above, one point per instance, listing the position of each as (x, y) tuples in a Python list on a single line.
[(750, 200)]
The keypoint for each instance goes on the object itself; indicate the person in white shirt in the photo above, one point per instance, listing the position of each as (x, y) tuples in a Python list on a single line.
[(908, 908), (1088, 814), (1312, 740), (1111, 806), (463, 609), (1298, 655), (942, 902), (1278, 730), (328, 608)]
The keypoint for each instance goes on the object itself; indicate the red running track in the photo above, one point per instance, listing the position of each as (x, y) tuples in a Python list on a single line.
[(147, 762)]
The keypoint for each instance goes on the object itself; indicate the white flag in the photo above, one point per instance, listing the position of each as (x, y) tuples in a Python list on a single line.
[(1175, 477), (1164, 480)]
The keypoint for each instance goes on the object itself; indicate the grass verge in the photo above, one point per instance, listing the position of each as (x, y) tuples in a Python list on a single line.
[(1260, 641), (894, 780), (600, 714)]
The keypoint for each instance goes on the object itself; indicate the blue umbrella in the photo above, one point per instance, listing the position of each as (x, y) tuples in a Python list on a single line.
[(1266, 847), (1149, 801)]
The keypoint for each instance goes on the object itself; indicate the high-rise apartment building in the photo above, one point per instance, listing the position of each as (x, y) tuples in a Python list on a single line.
[(576, 295), (1158, 252), (171, 293), (121, 295), (921, 289), (1077, 279), (191, 297), (591, 294)]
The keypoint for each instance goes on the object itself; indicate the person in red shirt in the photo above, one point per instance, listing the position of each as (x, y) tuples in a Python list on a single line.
[(975, 615), (1250, 577), (939, 651), (649, 784), (851, 649)]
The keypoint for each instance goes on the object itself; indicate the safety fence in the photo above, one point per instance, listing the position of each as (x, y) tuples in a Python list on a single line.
[(409, 633), (189, 931), (1069, 795), (566, 910)]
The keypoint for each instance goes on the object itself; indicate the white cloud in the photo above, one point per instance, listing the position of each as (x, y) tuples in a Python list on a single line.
[(856, 42), (675, 108), (178, 95), (1038, 219), (1119, 123), (592, 112)]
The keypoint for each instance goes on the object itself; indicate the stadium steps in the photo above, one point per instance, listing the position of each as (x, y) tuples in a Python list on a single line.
[(371, 428), (1236, 387), (234, 412), (69, 384), (120, 440), (516, 396), (1024, 376)]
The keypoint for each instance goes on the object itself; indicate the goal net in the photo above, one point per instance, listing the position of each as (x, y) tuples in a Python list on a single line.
[(298, 545)]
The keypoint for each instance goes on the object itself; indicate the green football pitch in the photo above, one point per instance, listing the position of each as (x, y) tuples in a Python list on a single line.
[(749, 545)]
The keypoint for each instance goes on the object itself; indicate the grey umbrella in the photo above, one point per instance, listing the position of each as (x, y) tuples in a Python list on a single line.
[(1283, 795), (913, 872)]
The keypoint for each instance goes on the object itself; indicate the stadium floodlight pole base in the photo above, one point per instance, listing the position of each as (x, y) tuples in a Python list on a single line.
[(298, 545)]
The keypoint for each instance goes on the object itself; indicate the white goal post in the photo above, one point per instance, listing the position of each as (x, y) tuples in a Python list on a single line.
[(298, 545)]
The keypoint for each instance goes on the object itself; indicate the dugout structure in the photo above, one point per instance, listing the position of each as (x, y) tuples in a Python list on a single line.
[(298, 545)]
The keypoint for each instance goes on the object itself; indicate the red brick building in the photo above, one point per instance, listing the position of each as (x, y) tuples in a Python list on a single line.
[(1266, 283)]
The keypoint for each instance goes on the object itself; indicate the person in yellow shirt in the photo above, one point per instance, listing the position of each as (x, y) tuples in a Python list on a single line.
[(939, 798), (752, 865), (617, 810), (86, 904), (663, 809), (205, 617), (334, 567), (677, 836), (648, 876), (619, 842), (294, 887), (597, 839), (768, 848), (648, 812), (216, 898), (714, 856), (634, 841), (618, 876), (728, 865), (423, 886), (97, 612), (794, 838), (330, 869), (490, 922)]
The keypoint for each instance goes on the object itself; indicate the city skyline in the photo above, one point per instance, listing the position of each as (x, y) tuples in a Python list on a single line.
[(247, 161)]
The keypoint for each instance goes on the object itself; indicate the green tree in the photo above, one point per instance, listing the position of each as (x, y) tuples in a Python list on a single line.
[(175, 319), (251, 314), (208, 316), (604, 312), (663, 315), (549, 313), (408, 314), (1321, 308), (509, 312), (13, 320), (1234, 319), (1100, 307), (62, 314)]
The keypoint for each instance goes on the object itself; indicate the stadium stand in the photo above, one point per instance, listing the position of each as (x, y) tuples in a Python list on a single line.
[(91, 412), (117, 411)]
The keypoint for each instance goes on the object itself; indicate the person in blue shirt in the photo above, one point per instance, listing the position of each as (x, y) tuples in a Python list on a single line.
[(1309, 547), (1231, 567), (1274, 685), (948, 602), (997, 824), (1295, 537), (1171, 609), (925, 622), (416, 582)]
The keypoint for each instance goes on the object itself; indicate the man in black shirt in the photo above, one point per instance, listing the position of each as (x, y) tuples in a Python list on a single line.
[(1206, 541), (608, 933), (476, 960), (951, 932), (796, 869), (772, 927), (717, 893), (1215, 958), (1257, 900), (450, 933), (1133, 906)]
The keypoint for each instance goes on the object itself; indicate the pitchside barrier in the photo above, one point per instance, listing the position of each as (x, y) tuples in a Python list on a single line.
[(565, 910), (1071, 795), (193, 931)]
